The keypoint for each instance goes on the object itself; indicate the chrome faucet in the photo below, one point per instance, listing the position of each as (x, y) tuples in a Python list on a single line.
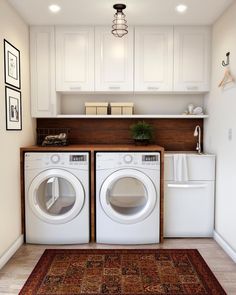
[(197, 132)]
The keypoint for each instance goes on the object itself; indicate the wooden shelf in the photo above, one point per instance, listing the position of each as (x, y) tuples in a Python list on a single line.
[(134, 116)]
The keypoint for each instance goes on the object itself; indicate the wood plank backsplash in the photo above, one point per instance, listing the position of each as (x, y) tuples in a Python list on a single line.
[(172, 134)]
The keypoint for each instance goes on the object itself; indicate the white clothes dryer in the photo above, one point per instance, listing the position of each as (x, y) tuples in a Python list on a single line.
[(57, 197), (128, 197)]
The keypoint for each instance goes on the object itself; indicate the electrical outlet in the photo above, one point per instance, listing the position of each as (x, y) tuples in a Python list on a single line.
[(230, 134)]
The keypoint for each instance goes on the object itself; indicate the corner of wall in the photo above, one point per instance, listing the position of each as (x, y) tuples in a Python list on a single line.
[(220, 105), (16, 31)]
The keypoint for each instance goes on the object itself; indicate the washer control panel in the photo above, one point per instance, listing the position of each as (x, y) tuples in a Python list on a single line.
[(73, 160)]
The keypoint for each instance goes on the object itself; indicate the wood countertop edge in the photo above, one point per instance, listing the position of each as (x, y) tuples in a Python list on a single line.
[(93, 147)]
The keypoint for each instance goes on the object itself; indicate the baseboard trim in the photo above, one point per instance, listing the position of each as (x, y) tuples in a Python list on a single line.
[(11, 251), (225, 246)]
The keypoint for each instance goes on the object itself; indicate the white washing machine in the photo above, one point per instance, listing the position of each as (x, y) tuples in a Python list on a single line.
[(57, 197), (128, 197)]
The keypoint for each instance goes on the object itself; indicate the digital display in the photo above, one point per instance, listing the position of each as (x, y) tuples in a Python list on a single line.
[(78, 158), (150, 158)]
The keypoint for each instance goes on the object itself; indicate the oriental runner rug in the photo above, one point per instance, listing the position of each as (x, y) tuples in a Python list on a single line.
[(96, 272)]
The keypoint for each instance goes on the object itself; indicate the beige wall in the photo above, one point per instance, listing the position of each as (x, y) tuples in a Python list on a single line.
[(221, 106), (13, 28)]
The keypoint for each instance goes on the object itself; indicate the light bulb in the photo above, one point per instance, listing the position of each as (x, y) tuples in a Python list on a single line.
[(181, 8), (54, 8)]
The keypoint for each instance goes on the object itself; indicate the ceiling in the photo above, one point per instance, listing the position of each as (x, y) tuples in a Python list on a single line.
[(99, 12)]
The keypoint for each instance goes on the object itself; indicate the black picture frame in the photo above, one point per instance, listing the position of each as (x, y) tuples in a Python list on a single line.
[(12, 65), (13, 105)]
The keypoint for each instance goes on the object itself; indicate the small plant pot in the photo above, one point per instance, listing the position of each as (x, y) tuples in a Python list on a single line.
[(142, 141), (142, 133)]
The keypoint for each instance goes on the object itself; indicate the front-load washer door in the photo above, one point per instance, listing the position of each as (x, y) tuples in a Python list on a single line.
[(128, 196), (56, 196)]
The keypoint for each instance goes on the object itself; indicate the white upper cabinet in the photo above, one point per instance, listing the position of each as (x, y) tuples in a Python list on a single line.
[(75, 58), (113, 61), (42, 63), (154, 58), (192, 58), (91, 60)]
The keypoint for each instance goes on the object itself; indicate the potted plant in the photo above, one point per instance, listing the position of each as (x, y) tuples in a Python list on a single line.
[(142, 133)]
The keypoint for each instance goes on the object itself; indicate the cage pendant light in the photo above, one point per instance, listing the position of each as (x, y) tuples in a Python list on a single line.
[(119, 27)]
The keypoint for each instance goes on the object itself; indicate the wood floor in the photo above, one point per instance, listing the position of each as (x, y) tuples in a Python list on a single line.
[(17, 270)]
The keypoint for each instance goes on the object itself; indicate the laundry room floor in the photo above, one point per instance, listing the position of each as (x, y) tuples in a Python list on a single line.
[(14, 274)]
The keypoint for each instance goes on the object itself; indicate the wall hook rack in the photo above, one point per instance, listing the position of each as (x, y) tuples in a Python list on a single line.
[(225, 64)]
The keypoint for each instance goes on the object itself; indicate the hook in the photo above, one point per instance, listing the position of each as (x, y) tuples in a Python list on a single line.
[(225, 64)]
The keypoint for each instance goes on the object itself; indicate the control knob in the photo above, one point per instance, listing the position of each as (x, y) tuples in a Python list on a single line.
[(128, 159), (55, 158)]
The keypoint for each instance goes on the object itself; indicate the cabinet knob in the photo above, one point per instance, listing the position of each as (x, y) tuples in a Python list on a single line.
[(192, 87), (75, 87), (153, 88), (114, 87)]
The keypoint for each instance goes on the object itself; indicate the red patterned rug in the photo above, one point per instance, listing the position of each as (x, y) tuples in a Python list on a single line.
[(162, 271)]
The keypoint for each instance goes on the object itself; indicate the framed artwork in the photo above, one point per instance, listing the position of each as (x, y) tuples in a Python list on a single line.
[(12, 65), (13, 109)]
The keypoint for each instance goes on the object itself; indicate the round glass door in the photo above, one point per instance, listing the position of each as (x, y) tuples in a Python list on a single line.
[(56, 196), (128, 196)]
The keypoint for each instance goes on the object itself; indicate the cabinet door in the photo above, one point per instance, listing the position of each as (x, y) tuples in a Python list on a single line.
[(192, 59), (75, 58), (189, 209), (42, 62), (154, 59), (113, 61)]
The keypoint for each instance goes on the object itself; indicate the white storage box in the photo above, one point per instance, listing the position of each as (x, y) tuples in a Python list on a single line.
[(96, 108), (122, 108)]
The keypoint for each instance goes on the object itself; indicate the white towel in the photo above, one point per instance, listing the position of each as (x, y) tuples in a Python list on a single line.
[(180, 168)]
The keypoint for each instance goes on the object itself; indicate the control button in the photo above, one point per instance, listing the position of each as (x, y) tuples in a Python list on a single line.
[(55, 159), (128, 159)]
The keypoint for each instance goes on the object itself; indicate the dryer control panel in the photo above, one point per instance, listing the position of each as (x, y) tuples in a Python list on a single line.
[(110, 160)]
